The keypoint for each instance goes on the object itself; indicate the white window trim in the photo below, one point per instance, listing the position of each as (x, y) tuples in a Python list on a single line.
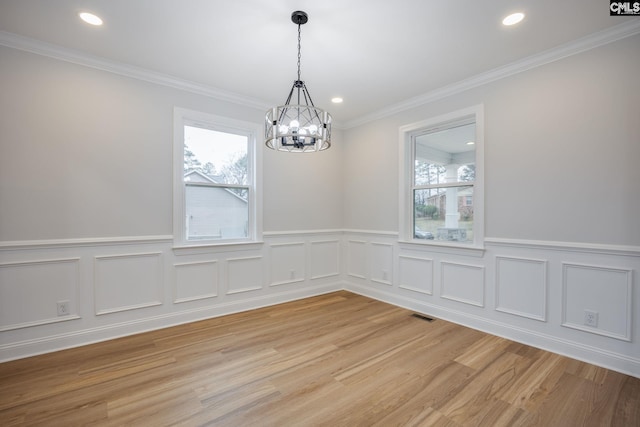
[(406, 168), (182, 117)]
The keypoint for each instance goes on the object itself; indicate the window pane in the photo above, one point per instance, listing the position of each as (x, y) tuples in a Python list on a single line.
[(446, 155), (432, 174), (444, 214), (428, 173), (215, 156), (215, 213), (467, 173)]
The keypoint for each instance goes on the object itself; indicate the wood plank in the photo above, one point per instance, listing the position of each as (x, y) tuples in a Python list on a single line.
[(334, 360)]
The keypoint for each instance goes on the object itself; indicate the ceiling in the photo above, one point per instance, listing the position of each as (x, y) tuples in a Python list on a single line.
[(373, 53)]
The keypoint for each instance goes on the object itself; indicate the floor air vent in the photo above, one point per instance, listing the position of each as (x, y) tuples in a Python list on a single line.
[(421, 317)]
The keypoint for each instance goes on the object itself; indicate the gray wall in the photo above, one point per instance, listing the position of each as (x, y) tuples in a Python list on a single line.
[(562, 147), (85, 153)]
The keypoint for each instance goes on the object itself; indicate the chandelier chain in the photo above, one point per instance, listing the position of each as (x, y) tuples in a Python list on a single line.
[(299, 55)]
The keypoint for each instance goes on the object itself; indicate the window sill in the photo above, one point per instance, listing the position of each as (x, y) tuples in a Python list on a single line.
[(201, 248), (448, 248)]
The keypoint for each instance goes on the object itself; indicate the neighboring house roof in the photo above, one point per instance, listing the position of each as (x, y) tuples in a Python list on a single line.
[(197, 176)]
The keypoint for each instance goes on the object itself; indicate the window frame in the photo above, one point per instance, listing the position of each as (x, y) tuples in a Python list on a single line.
[(407, 136), (184, 117)]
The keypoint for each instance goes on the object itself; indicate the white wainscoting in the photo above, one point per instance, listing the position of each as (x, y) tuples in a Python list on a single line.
[(127, 282), (325, 259), (122, 286), (357, 258), (381, 263), (52, 280), (531, 292), (196, 280), (462, 282), (288, 263), (245, 274), (415, 274), (521, 287), (606, 291)]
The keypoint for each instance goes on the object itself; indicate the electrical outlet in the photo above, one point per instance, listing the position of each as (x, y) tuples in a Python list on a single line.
[(63, 308), (292, 274), (591, 318), (385, 275)]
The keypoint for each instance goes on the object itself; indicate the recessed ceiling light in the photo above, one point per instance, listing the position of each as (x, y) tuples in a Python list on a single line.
[(90, 18), (470, 143), (513, 19), (337, 100)]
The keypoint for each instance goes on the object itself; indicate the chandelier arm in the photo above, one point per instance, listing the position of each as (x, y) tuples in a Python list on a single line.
[(284, 110), (307, 94), (309, 111), (288, 101), (315, 110)]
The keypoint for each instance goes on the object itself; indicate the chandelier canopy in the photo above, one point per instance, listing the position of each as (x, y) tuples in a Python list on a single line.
[(301, 127)]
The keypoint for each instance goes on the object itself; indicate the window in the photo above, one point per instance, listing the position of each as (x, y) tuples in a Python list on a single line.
[(442, 179), (215, 176)]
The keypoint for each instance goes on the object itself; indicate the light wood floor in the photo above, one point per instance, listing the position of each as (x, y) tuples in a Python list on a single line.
[(336, 360)]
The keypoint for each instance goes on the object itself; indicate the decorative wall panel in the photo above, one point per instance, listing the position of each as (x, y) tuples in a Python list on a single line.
[(127, 282), (416, 274), (244, 274), (287, 263), (357, 259), (51, 281), (382, 263), (603, 292), (325, 259), (521, 287), (196, 280), (462, 283)]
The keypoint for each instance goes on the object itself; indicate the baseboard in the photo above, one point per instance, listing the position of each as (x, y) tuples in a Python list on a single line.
[(593, 355), (49, 344)]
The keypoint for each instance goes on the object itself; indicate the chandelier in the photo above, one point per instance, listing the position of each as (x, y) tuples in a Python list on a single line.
[(299, 127)]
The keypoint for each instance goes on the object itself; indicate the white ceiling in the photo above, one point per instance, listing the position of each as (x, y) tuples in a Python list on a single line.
[(373, 53)]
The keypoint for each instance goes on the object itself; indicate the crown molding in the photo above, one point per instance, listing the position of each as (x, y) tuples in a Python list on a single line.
[(610, 35), (38, 47)]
